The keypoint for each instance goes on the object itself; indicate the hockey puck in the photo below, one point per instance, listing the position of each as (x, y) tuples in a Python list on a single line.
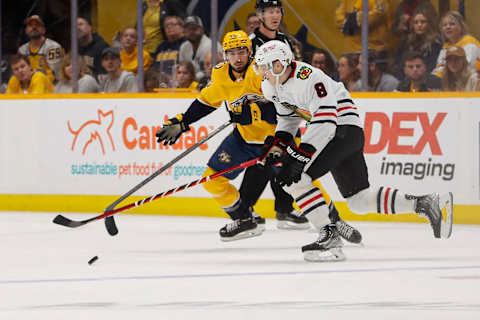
[(91, 261)]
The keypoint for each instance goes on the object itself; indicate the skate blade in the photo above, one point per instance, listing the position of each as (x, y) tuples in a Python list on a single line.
[(244, 235), (446, 205), (330, 255), (286, 225)]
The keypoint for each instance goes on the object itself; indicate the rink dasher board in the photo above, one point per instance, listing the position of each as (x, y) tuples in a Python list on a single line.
[(61, 148)]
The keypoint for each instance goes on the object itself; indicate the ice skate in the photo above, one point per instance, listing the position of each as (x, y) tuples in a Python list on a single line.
[(348, 232), (328, 247), (240, 229), (430, 206), (292, 221)]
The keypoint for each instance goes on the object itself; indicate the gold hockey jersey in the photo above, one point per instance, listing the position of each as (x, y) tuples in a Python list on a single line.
[(224, 86)]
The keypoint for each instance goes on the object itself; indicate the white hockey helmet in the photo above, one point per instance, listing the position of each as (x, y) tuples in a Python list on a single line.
[(270, 52)]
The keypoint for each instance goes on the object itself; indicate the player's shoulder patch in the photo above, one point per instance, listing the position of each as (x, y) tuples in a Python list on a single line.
[(304, 72)]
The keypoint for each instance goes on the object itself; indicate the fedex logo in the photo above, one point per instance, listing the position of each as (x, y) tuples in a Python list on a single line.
[(399, 126)]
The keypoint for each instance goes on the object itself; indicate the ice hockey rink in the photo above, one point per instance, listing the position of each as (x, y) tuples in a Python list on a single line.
[(161, 267)]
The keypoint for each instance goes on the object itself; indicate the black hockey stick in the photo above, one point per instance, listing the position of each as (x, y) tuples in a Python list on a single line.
[(110, 222), (61, 220)]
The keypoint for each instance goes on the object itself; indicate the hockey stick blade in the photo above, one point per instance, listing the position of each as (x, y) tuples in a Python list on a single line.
[(111, 226), (63, 221)]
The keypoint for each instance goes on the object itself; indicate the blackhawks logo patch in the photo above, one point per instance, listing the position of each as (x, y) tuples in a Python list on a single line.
[(304, 72)]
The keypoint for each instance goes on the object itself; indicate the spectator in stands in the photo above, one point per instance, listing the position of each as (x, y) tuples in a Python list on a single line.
[(186, 76), (378, 80), (116, 79), (166, 54), (405, 13), (349, 21), (477, 69), (208, 69), (417, 79), (128, 54), (197, 46), (424, 38), (25, 80), (322, 60), (151, 80), (252, 23), (91, 46), (154, 12), (455, 34), (457, 75), (45, 55), (86, 83), (347, 70)]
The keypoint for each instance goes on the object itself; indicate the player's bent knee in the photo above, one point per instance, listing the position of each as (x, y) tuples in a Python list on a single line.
[(360, 202)]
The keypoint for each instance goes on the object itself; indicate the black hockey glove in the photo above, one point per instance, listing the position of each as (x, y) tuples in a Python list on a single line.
[(274, 148), (294, 162), (172, 129), (241, 114), (350, 25)]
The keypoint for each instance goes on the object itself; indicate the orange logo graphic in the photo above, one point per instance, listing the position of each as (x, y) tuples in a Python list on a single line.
[(93, 131)]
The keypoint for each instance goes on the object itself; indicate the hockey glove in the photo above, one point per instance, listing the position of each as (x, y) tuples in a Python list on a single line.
[(172, 129), (241, 114), (274, 148), (350, 25), (295, 161)]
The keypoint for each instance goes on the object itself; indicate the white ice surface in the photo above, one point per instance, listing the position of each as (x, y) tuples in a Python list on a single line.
[(161, 267)]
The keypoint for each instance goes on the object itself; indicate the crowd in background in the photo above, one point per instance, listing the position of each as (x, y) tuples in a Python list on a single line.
[(432, 53)]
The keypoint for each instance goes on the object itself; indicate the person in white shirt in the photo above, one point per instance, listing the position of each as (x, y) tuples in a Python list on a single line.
[(86, 83), (116, 79), (333, 142), (196, 46)]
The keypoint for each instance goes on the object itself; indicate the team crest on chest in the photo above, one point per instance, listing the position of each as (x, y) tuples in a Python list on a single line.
[(224, 157), (304, 72)]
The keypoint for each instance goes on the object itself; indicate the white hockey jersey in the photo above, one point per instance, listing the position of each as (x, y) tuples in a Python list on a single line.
[(311, 91)]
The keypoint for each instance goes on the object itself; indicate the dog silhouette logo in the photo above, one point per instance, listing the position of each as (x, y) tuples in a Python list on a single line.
[(93, 132)]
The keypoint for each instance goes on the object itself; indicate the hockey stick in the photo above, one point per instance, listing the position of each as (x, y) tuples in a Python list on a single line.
[(61, 220), (110, 222)]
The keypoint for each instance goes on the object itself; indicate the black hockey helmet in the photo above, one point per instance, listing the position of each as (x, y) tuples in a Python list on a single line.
[(262, 4)]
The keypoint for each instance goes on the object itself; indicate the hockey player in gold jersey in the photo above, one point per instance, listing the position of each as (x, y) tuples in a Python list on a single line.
[(236, 82)]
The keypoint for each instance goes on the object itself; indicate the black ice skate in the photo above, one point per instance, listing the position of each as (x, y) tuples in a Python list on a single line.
[(328, 247), (430, 206), (240, 229), (348, 232), (292, 221)]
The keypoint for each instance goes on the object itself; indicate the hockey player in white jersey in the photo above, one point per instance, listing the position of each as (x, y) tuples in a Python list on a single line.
[(333, 142)]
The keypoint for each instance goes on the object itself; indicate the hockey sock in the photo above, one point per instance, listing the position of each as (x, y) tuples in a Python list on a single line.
[(333, 212), (383, 201), (392, 201), (254, 182), (239, 210), (313, 206), (283, 200)]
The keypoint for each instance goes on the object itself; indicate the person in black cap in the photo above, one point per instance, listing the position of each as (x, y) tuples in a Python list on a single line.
[(90, 46), (45, 55), (116, 79), (196, 46)]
